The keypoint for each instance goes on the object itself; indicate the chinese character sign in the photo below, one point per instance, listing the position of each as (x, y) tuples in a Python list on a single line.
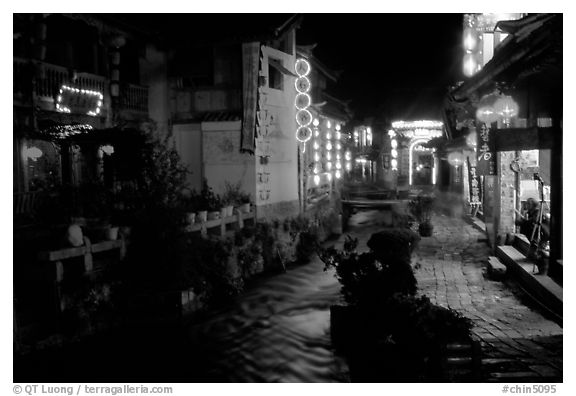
[(474, 184), (486, 152)]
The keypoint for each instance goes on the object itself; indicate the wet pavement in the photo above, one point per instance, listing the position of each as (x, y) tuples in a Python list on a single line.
[(518, 343)]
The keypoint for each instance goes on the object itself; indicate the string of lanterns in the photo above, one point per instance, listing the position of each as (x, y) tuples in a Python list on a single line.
[(302, 102)]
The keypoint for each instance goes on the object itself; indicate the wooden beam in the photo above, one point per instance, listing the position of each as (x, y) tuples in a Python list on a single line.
[(512, 139)]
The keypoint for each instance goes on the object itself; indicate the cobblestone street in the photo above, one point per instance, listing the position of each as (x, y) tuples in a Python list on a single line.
[(518, 343)]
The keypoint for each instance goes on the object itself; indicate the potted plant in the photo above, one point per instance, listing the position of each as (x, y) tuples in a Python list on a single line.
[(244, 203), (421, 209), (232, 196)]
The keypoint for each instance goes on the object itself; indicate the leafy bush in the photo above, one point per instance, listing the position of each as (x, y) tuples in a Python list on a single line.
[(369, 279)]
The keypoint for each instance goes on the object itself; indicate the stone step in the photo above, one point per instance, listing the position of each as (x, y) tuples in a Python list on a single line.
[(496, 269), (541, 288)]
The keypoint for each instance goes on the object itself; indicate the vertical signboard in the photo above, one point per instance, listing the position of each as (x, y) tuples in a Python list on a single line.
[(486, 154), (474, 184)]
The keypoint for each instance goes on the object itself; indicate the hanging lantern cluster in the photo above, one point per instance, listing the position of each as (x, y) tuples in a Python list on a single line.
[(472, 43), (394, 149), (327, 150), (303, 101), (492, 108)]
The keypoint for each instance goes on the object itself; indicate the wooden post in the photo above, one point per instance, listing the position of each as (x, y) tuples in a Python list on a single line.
[(88, 262)]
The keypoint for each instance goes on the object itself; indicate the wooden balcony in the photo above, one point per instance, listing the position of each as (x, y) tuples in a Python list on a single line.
[(39, 83), (133, 99)]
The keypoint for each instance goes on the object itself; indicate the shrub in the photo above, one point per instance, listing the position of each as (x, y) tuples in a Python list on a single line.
[(369, 279)]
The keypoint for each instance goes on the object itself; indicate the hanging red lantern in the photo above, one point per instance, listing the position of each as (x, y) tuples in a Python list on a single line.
[(506, 108)]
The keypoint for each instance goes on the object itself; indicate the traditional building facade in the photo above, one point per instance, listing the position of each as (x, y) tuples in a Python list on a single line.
[(509, 114)]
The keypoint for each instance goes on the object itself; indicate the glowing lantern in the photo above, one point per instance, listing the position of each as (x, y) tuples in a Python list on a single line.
[(302, 101), (394, 164), (329, 176), (506, 107), (470, 65), (455, 158), (316, 122), (303, 134), (470, 40), (486, 114), (394, 153), (337, 127), (338, 174), (394, 143), (316, 179)]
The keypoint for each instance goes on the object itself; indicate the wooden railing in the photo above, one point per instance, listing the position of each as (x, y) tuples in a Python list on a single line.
[(56, 258), (222, 226), (25, 203), (50, 78), (134, 97)]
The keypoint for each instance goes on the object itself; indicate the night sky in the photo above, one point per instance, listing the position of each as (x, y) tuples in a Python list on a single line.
[(397, 65)]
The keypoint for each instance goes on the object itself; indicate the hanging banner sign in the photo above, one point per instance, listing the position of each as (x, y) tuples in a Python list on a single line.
[(474, 184), (486, 153)]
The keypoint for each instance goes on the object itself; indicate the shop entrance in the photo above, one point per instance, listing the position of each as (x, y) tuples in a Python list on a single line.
[(421, 164)]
